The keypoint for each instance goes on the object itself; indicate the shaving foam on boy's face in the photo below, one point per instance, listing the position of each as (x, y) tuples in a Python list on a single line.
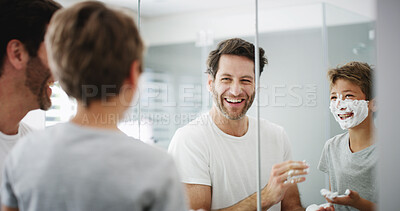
[(349, 113)]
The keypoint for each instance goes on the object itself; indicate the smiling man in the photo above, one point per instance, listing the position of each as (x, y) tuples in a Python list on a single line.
[(24, 72), (215, 153)]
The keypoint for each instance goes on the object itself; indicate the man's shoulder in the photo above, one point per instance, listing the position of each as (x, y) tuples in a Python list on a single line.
[(198, 125), (194, 134)]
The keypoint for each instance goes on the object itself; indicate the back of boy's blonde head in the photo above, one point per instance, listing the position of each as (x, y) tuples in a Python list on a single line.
[(358, 73), (91, 47)]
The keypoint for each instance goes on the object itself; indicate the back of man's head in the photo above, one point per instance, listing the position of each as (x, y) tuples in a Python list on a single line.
[(91, 46), (26, 21)]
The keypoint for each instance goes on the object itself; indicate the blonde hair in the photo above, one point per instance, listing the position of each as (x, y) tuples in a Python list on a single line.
[(358, 73), (90, 47)]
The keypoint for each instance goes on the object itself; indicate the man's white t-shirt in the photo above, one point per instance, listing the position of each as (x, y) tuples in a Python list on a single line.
[(7, 142), (206, 155)]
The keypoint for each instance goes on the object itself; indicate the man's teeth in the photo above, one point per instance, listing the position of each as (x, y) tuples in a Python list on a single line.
[(234, 100)]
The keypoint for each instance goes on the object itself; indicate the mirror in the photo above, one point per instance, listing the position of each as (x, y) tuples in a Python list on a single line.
[(174, 91), (301, 42)]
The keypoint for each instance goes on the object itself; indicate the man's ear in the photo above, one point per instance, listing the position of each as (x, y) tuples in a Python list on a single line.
[(210, 81), (372, 105), (17, 55)]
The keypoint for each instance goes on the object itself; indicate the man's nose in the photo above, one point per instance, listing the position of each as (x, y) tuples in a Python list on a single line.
[(236, 89)]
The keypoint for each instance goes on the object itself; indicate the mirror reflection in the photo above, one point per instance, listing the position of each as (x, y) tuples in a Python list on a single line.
[(301, 42)]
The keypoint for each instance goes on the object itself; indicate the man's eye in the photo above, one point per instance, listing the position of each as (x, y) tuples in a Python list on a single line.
[(225, 79), (246, 81), (333, 98), (349, 96)]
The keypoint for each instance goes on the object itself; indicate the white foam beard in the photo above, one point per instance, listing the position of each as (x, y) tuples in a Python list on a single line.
[(357, 109)]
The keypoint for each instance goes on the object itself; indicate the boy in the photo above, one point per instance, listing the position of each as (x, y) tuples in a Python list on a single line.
[(87, 163), (350, 158)]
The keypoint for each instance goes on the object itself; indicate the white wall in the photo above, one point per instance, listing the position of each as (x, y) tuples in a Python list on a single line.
[(184, 27)]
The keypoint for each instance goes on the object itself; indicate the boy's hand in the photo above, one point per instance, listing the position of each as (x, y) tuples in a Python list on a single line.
[(321, 207), (350, 200), (354, 200), (326, 209)]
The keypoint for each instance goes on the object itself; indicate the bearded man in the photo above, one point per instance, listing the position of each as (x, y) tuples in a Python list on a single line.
[(24, 73), (215, 153)]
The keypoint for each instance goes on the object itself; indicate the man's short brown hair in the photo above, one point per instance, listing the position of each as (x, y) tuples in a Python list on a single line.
[(358, 73), (91, 47), (234, 46)]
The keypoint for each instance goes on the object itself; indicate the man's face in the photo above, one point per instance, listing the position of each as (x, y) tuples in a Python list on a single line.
[(233, 87), (38, 78)]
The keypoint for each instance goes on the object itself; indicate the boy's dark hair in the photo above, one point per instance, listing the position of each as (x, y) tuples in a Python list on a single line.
[(26, 21)]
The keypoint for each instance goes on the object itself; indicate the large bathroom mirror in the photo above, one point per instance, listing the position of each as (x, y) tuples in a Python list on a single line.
[(302, 40)]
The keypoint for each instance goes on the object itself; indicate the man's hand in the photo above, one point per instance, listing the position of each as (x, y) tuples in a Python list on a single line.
[(283, 176)]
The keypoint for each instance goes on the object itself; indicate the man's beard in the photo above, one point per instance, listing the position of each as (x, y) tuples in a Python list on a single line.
[(37, 76), (218, 100)]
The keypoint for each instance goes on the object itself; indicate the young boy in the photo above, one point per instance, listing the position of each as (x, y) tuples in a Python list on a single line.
[(87, 163), (350, 158)]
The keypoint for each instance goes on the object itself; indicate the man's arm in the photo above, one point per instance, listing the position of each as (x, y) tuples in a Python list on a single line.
[(200, 195), (291, 201), (5, 208), (200, 198)]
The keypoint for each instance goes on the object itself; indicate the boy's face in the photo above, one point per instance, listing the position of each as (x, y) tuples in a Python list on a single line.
[(348, 104), (346, 89)]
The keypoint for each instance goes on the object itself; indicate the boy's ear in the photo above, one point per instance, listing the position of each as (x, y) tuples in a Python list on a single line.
[(134, 74), (17, 55), (372, 105)]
